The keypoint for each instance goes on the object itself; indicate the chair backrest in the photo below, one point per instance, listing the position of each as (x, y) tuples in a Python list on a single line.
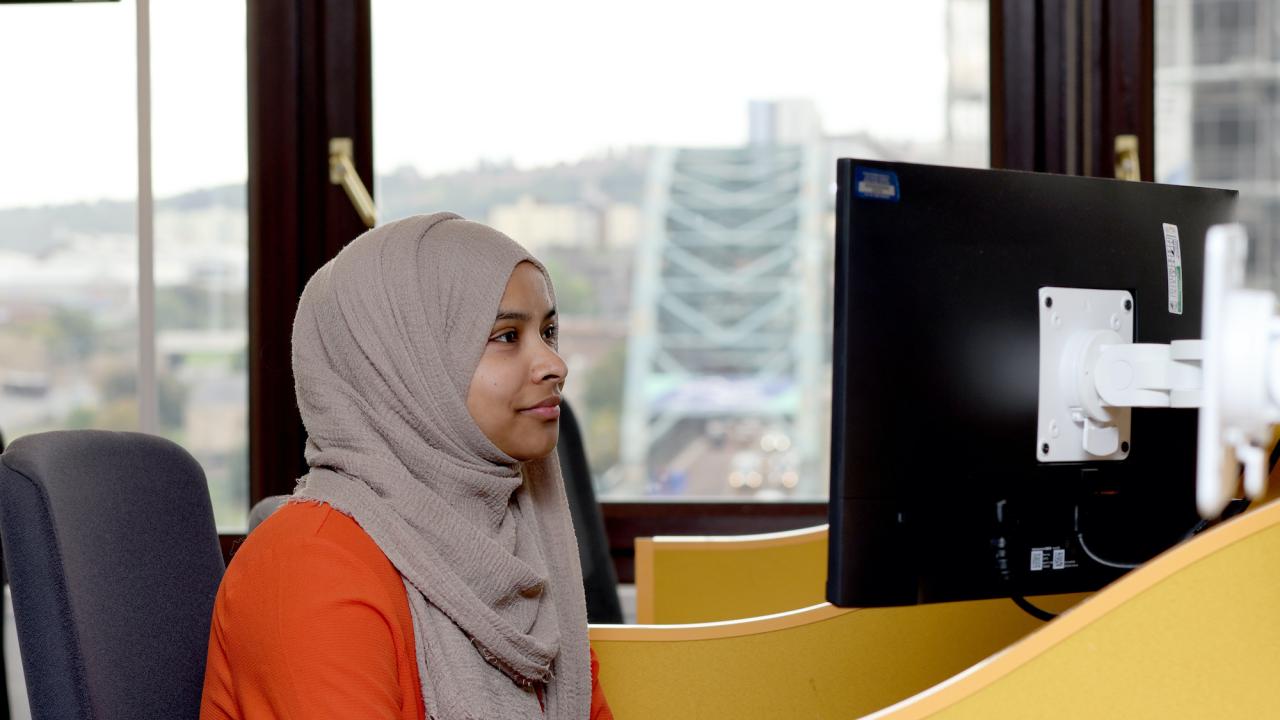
[(598, 576), (4, 660), (113, 563), (262, 509), (709, 579)]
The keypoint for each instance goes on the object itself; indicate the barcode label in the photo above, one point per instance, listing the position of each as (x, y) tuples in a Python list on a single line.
[(1173, 263)]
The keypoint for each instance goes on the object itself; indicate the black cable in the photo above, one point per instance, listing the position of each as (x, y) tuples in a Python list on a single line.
[(1032, 610), (1197, 528), (1233, 508)]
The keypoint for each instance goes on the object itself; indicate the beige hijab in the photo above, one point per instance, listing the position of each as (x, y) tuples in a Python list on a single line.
[(387, 337)]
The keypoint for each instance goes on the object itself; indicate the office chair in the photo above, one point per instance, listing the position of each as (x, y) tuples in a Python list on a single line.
[(113, 563), (262, 509), (4, 660), (598, 577)]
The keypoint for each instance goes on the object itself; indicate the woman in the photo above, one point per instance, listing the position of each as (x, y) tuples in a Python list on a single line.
[(426, 566)]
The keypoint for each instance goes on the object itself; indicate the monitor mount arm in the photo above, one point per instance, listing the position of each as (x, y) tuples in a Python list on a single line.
[(1137, 375), (1092, 373)]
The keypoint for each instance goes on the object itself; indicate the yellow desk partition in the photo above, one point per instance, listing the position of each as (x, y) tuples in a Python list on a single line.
[(819, 662), (1194, 633), (708, 579)]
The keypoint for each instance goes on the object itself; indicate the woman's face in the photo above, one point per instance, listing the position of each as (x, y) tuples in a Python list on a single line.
[(515, 393)]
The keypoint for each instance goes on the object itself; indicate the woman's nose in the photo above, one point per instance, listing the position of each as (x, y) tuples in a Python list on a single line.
[(549, 366)]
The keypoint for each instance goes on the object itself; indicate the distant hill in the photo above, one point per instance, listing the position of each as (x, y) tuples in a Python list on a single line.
[(470, 193), (42, 228), (39, 229)]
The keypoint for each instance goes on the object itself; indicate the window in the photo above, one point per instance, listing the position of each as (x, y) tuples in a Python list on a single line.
[(675, 173), (1218, 101), (1224, 136), (1225, 31), (70, 295)]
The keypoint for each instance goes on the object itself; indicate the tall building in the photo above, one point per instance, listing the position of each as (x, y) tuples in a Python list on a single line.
[(968, 83), (1218, 108)]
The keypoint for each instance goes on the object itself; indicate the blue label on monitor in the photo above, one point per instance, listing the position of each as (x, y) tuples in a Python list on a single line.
[(875, 184)]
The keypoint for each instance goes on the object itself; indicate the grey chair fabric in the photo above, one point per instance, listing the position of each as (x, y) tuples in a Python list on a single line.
[(4, 659), (113, 562), (598, 576), (263, 508)]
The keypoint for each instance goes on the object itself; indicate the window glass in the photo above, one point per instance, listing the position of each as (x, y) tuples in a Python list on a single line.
[(200, 166), (68, 227), (1218, 109), (68, 237), (675, 173)]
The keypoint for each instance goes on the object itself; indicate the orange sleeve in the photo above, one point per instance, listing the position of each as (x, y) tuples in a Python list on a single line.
[(599, 706), (309, 636)]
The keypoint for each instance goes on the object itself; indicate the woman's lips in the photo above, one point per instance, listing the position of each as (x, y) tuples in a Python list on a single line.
[(550, 412)]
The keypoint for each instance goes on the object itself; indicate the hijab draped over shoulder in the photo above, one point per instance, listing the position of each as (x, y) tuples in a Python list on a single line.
[(387, 337)]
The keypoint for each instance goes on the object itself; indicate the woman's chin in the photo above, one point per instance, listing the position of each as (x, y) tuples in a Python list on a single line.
[(535, 450)]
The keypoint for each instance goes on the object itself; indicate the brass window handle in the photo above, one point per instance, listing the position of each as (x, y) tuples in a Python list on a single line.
[(342, 171), (1126, 152)]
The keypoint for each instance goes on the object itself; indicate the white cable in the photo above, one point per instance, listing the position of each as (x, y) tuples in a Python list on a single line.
[(1100, 561), (1095, 558)]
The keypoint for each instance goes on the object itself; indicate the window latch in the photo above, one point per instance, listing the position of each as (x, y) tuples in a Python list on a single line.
[(342, 171), (1126, 153)]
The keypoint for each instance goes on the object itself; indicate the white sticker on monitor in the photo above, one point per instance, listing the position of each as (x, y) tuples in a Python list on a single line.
[(1173, 263), (1050, 558)]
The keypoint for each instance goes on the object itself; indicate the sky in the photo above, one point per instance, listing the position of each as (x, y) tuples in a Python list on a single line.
[(455, 83)]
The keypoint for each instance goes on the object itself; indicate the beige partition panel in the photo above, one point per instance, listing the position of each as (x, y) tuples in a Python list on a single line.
[(820, 662), (1195, 633), (708, 579)]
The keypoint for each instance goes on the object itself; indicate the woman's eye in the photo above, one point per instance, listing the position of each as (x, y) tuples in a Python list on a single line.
[(551, 332), (506, 337)]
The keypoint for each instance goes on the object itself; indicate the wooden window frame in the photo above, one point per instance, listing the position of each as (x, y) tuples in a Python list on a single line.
[(1067, 77), (309, 79)]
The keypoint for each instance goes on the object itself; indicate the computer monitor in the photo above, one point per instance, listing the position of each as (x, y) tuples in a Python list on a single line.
[(938, 491)]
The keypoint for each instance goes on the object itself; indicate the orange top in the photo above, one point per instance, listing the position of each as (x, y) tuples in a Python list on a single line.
[(312, 621)]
